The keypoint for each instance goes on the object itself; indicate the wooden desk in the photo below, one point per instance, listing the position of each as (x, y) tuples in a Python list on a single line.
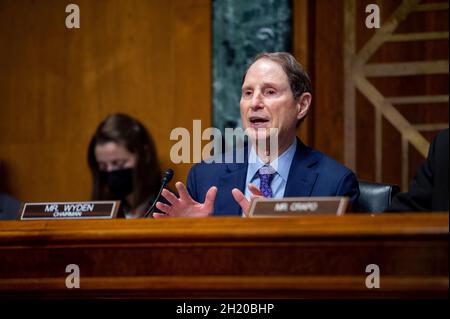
[(311, 257)]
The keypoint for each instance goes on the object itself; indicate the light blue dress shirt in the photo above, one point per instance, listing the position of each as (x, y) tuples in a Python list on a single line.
[(281, 165)]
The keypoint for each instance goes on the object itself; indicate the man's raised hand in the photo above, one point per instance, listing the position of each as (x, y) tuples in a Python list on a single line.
[(185, 206), (240, 198)]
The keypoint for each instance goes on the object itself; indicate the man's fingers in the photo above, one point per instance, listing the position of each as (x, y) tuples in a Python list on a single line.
[(255, 190), (159, 215), (182, 191), (171, 198), (239, 197), (164, 207), (252, 197), (210, 197)]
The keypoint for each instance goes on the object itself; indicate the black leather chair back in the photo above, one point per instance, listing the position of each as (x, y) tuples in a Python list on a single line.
[(375, 197)]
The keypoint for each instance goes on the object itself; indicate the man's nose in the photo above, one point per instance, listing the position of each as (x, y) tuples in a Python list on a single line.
[(257, 101)]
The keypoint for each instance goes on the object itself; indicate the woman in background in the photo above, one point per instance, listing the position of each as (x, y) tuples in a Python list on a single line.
[(124, 165)]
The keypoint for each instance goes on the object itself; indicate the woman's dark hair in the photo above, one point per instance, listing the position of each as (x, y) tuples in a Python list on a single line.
[(130, 133)]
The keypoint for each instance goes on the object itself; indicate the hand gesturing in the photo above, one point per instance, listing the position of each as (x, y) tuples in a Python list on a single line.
[(240, 198), (185, 206)]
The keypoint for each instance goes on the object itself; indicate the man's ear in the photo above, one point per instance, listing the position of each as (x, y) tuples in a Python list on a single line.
[(303, 104)]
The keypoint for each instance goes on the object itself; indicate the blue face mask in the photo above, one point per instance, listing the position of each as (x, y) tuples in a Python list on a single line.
[(120, 182)]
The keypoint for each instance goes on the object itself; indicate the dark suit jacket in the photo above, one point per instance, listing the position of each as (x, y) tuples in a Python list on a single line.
[(311, 174), (9, 207), (429, 188)]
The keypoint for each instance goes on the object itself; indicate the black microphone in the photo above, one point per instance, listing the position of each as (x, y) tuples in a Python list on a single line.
[(168, 174)]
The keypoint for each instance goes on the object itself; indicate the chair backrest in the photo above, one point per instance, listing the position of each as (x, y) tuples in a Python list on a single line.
[(375, 197)]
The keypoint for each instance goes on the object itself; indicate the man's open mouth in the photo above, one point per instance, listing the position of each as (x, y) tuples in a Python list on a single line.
[(258, 121)]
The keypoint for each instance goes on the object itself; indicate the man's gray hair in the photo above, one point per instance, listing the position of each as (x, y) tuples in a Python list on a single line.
[(298, 78)]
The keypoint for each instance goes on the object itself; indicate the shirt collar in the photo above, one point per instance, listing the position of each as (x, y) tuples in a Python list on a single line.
[(282, 164)]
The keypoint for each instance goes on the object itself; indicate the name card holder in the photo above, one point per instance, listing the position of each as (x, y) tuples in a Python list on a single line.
[(70, 210), (298, 206)]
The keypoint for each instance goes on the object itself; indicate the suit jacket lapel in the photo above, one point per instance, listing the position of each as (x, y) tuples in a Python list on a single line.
[(301, 177)]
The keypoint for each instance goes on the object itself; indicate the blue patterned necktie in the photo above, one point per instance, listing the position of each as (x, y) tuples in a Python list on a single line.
[(266, 174)]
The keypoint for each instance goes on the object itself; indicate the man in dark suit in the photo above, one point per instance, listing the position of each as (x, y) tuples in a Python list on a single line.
[(429, 188), (276, 96)]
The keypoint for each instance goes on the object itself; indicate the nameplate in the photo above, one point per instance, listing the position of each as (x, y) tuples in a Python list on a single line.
[(298, 206), (70, 210)]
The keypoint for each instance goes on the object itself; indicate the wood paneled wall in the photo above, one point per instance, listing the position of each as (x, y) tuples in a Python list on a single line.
[(150, 59), (326, 54)]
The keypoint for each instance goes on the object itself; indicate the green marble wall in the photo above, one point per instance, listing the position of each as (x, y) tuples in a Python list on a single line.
[(241, 29)]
